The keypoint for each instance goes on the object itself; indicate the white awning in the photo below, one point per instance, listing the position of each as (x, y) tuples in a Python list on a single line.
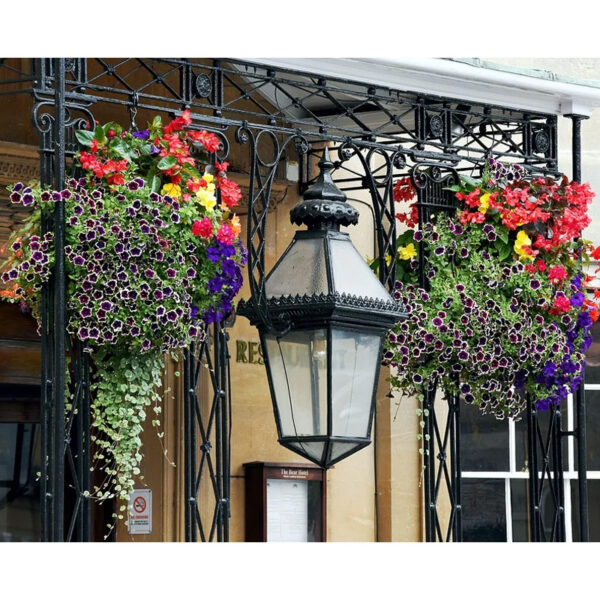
[(471, 80)]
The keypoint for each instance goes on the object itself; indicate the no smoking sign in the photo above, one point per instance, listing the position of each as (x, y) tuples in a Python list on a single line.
[(140, 512)]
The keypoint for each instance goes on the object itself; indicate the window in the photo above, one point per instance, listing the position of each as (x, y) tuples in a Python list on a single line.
[(19, 482), (494, 468)]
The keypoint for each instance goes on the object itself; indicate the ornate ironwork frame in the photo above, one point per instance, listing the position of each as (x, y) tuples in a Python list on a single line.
[(377, 134)]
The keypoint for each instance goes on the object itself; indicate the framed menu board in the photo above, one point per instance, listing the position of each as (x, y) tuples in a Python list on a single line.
[(285, 502)]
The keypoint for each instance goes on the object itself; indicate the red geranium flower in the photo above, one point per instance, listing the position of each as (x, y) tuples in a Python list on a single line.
[(116, 179), (404, 190), (561, 305), (203, 228), (179, 123), (230, 192), (195, 184), (209, 140), (557, 274)]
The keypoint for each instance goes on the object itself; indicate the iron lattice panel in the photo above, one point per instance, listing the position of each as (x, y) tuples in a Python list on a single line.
[(546, 483), (207, 438), (441, 461)]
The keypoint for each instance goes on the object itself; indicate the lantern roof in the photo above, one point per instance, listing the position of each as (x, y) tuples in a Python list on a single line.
[(322, 276)]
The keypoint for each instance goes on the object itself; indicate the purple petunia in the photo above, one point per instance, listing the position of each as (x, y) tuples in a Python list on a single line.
[(577, 299)]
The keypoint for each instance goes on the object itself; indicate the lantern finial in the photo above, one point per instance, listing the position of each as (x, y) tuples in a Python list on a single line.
[(324, 205)]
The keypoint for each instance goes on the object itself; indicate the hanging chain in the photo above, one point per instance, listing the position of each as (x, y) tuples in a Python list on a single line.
[(133, 108)]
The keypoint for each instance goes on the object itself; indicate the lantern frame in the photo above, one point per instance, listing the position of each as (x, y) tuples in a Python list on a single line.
[(323, 209)]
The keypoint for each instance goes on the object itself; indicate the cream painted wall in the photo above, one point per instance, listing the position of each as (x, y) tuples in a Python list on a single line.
[(350, 483), (398, 462)]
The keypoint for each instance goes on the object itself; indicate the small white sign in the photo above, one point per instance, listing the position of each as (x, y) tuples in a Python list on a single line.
[(140, 512)]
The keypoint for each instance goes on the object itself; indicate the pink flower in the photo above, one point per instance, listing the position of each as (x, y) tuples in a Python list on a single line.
[(557, 274), (225, 234)]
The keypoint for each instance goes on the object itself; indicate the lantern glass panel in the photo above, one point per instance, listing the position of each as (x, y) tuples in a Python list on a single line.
[(302, 270), (313, 449), (351, 273), (354, 361), (340, 449), (298, 367)]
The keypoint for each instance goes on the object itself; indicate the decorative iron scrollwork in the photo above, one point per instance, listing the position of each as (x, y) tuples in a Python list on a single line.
[(203, 85), (436, 126), (302, 145), (399, 159), (347, 150), (541, 141), (425, 174)]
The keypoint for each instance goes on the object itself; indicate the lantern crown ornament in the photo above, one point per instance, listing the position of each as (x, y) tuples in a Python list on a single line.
[(322, 330)]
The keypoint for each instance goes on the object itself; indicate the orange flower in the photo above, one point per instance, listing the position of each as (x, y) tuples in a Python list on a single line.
[(10, 293), (236, 226)]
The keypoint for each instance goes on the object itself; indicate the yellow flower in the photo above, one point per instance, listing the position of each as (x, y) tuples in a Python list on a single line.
[(208, 178), (171, 189), (407, 252), (206, 199), (523, 241), (485, 203), (388, 259)]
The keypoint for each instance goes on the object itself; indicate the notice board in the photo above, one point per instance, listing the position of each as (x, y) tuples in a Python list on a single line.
[(285, 502)]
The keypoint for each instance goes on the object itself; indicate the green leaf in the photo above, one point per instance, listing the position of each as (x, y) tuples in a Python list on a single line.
[(405, 238), (99, 135), (374, 264), (190, 170), (505, 252), (470, 181), (167, 162), (502, 234), (400, 271), (121, 148), (84, 136), (112, 125), (155, 186)]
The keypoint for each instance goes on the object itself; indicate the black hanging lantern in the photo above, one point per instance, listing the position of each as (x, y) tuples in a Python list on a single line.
[(322, 330)]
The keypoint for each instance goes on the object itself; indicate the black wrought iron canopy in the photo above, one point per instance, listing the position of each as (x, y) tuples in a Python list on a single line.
[(377, 127)]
